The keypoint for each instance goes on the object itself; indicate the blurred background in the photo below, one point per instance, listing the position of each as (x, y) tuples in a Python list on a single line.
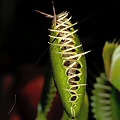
[(24, 38)]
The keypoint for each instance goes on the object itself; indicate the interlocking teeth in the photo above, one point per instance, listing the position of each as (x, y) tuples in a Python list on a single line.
[(101, 99), (65, 44)]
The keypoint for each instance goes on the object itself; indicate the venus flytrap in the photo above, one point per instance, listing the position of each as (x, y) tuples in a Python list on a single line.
[(68, 63), (111, 58), (105, 100)]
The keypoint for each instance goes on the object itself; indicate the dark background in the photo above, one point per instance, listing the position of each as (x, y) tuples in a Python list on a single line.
[(24, 32)]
